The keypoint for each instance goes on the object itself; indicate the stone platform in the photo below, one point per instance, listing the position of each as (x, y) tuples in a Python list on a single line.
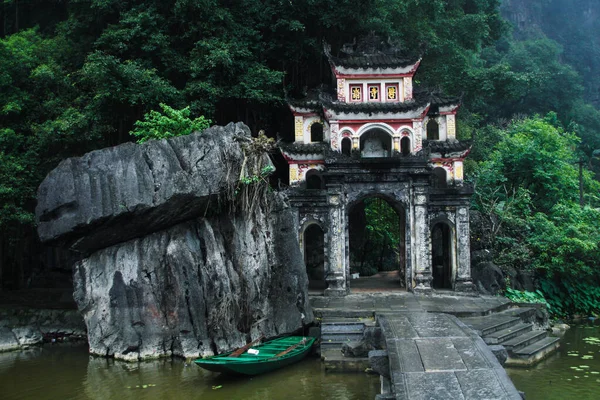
[(435, 356), (367, 304), (432, 354)]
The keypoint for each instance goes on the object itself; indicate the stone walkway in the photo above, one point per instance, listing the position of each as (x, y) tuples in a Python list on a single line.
[(432, 354), (435, 356), (461, 306)]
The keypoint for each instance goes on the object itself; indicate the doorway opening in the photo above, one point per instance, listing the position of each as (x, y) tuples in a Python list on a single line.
[(314, 257), (377, 247), (375, 143), (441, 256)]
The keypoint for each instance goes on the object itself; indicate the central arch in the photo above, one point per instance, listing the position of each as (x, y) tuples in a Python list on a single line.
[(375, 143), (376, 243)]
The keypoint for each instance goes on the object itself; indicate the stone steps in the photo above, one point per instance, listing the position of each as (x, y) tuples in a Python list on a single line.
[(525, 340), (507, 334), (335, 331), (533, 353), (512, 328)]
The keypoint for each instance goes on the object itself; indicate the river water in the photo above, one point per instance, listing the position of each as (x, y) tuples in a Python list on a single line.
[(572, 373), (67, 372)]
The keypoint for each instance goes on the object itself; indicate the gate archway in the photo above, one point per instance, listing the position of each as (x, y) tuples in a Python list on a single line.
[(313, 241), (442, 255), (376, 243)]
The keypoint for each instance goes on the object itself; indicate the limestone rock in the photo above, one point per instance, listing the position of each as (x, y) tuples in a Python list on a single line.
[(27, 336), (488, 277), (355, 349), (380, 362), (167, 266), (196, 289), (119, 193), (8, 341), (500, 353), (373, 337)]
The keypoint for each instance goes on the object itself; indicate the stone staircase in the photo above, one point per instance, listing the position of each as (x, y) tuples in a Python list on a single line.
[(335, 331), (515, 329)]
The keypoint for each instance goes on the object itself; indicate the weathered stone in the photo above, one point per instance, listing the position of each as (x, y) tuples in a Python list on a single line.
[(433, 386), (27, 336), (489, 277), (380, 363), (439, 354), (500, 352), (198, 288), (373, 337), (8, 341), (119, 193), (355, 349)]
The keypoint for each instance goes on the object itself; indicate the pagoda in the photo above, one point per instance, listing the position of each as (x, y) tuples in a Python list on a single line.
[(375, 135)]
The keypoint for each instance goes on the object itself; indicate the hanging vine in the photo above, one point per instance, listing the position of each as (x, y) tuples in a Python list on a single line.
[(250, 187)]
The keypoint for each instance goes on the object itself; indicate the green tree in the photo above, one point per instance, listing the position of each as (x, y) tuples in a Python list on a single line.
[(169, 123)]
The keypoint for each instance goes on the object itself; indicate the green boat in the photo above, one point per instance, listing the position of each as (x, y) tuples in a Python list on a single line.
[(254, 359)]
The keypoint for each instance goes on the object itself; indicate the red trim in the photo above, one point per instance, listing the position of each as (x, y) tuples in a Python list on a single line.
[(339, 75), (415, 67), (355, 86), (408, 74), (397, 87), (307, 162), (363, 121), (451, 112), (453, 159), (299, 114), (374, 85)]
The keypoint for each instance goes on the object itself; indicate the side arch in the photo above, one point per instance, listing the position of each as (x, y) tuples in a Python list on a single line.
[(443, 253)]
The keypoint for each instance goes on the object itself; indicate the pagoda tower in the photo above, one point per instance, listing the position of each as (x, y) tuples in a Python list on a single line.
[(376, 136)]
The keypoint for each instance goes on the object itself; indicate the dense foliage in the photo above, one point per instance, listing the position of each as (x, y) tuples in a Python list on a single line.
[(377, 239), (528, 189), (169, 123)]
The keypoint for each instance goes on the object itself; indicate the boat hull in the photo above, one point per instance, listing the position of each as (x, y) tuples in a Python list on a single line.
[(267, 359)]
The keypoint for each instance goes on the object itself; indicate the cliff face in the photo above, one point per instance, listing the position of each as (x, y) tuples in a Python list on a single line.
[(573, 24), (191, 284)]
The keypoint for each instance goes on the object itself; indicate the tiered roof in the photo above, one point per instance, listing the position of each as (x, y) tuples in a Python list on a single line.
[(371, 52)]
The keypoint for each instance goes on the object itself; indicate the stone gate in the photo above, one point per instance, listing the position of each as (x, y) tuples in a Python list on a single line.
[(374, 136)]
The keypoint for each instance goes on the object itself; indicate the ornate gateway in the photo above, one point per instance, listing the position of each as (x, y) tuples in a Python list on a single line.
[(376, 137)]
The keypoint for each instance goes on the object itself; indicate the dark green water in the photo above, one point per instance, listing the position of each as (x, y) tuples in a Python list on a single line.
[(64, 372), (557, 378)]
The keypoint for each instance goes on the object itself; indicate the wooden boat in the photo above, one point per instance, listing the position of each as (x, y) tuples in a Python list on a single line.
[(254, 359)]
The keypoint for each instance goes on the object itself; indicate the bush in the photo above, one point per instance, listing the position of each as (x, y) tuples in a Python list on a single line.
[(168, 124)]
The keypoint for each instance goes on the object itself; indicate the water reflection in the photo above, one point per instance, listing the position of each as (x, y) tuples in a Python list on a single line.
[(69, 373), (572, 373)]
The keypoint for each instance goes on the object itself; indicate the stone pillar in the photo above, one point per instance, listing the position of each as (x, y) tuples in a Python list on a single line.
[(463, 281), (451, 126), (299, 129), (336, 273), (421, 244)]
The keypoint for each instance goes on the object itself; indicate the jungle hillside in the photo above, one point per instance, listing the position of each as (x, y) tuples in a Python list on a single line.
[(79, 75)]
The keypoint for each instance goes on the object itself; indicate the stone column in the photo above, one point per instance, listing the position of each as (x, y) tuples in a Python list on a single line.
[(463, 243), (336, 276), (421, 244)]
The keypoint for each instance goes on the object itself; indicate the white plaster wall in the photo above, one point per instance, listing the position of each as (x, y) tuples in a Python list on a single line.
[(308, 121)]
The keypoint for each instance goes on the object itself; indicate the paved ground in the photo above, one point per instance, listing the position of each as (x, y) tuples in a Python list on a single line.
[(436, 357), (403, 301), (432, 354)]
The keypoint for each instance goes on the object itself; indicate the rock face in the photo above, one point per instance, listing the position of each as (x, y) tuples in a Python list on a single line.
[(162, 276), (112, 195), (22, 328)]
